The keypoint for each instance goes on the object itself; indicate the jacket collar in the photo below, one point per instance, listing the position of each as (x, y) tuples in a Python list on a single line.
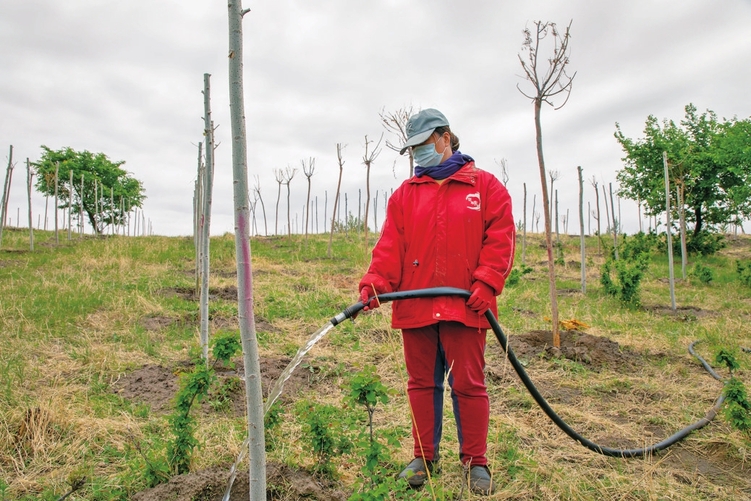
[(467, 174)]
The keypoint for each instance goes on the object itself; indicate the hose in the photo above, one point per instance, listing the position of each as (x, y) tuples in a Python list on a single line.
[(353, 310)]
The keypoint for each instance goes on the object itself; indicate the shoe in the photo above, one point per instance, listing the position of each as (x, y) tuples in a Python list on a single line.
[(416, 472), (481, 481)]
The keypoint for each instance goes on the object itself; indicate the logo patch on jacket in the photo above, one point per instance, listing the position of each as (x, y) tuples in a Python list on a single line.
[(474, 201)]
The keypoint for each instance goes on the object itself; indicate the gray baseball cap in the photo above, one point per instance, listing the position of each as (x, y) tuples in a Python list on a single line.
[(421, 126)]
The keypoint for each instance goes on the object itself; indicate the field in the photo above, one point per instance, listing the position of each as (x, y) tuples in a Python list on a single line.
[(96, 333)]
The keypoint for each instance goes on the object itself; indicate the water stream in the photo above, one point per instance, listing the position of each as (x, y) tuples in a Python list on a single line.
[(276, 390)]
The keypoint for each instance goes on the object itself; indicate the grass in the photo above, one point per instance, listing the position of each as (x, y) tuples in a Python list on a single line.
[(78, 317)]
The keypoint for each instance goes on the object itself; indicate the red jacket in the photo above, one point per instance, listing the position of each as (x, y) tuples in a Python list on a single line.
[(449, 235)]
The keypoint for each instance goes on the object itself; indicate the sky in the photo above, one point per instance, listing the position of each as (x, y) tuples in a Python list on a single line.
[(126, 79)]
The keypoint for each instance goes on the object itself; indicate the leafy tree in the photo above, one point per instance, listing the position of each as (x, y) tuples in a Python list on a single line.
[(93, 167), (709, 160)]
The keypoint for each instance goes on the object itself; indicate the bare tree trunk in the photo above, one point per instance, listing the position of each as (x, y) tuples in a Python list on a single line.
[(524, 228), (597, 202), (253, 392), (6, 193), (668, 231), (682, 222), (57, 187), (308, 172), (197, 222), (80, 208), (70, 203), (548, 235), (557, 233), (582, 246), (638, 210), (368, 160), (208, 186), (29, 176), (534, 209), (615, 223), (257, 189), (278, 174), (112, 208)]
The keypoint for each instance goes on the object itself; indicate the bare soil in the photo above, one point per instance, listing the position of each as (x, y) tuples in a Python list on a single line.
[(594, 351), (282, 482)]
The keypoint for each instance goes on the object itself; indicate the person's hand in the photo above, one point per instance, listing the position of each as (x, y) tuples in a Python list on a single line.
[(482, 297), (366, 293)]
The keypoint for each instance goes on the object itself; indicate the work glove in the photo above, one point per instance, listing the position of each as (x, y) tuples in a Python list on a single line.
[(366, 293), (482, 297)]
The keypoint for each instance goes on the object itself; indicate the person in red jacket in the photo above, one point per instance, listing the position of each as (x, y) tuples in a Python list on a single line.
[(450, 225)]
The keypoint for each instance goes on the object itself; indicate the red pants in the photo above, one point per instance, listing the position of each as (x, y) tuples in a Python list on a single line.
[(457, 350)]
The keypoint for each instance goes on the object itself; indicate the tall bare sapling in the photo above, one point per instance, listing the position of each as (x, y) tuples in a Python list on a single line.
[(208, 187), (253, 392), (339, 148), (548, 85)]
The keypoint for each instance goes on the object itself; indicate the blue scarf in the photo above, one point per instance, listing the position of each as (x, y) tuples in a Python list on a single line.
[(447, 168)]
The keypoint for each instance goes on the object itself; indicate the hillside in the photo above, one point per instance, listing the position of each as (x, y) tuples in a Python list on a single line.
[(97, 332)]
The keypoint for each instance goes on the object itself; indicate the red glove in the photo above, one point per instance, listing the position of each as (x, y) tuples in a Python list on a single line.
[(366, 293), (482, 297)]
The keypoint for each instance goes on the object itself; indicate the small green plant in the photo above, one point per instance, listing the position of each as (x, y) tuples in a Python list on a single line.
[(737, 406), (378, 484), (516, 275), (324, 428), (194, 387), (744, 272), (271, 420), (703, 273)]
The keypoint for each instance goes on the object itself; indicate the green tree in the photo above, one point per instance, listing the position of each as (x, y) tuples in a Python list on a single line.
[(708, 159), (99, 207)]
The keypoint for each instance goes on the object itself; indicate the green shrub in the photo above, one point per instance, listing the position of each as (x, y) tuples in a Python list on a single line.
[(516, 275), (703, 273), (323, 425), (744, 272), (628, 275)]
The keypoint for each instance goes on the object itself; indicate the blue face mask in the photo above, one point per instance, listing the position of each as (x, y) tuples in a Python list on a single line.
[(425, 155)]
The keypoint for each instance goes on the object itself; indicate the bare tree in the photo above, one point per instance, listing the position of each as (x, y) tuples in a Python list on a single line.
[(524, 228), (6, 193), (396, 123), (368, 159), (279, 176), (669, 231), (553, 175), (616, 222), (594, 184), (207, 190), (257, 191), (582, 246), (245, 315), (29, 177), (308, 170), (289, 173), (502, 163), (554, 82)]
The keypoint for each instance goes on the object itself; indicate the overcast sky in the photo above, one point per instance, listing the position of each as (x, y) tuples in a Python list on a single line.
[(125, 79)]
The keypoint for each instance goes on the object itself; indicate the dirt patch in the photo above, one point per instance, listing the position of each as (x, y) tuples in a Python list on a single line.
[(228, 292), (282, 482), (156, 323), (593, 351), (156, 386), (682, 313), (153, 385)]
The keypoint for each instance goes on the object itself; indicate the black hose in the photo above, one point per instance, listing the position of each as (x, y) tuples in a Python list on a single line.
[(503, 340)]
